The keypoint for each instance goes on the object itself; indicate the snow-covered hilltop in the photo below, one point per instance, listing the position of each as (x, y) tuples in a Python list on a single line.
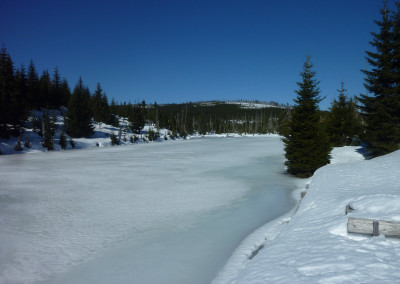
[(315, 247), (244, 104)]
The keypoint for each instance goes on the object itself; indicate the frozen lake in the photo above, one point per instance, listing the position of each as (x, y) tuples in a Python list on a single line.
[(169, 212)]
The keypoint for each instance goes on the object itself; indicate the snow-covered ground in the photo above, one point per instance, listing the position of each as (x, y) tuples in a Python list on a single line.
[(72, 222), (313, 245), (169, 212)]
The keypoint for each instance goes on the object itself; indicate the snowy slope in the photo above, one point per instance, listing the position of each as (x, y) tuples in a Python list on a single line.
[(314, 247)]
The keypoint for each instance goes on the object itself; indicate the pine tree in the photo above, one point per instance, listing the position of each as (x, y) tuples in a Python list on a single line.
[(343, 123), (136, 118), (45, 90), (306, 143), (18, 146), (65, 93), (27, 143), (63, 140), (99, 104), (380, 110), (396, 63), (21, 84), (11, 113), (33, 99), (114, 139), (56, 92), (48, 134), (79, 122)]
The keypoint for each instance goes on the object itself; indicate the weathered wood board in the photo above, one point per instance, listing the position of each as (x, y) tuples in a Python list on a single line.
[(373, 227), (389, 228), (360, 226)]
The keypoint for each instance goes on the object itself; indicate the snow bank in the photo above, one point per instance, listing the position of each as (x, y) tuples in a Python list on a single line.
[(314, 247)]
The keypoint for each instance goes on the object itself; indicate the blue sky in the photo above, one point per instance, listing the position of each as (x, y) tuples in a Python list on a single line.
[(179, 51)]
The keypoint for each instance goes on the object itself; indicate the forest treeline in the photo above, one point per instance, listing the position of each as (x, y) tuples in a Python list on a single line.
[(23, 90)]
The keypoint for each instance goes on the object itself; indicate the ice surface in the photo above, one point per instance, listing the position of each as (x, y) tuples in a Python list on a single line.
[(150, 213)]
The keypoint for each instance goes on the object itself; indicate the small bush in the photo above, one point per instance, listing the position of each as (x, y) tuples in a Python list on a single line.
[(114, 139)]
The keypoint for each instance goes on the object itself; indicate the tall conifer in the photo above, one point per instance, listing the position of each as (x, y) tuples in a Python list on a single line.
[(343, 123), (79, 122), (380, 108), (33, 88), (306, 142)]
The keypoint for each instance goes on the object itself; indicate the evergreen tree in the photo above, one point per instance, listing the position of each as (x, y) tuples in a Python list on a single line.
[(65, 93), (18, 108), (27, 143), (396, 63), (18, 146), (48, 133), (343, 123), (56, 94), (114, 139), (63, 140), (33, 99), (100, 108), (380, 110), (306, 143), (21, 84), (45, 90), (136, 118), (11, 113), (79, 122)]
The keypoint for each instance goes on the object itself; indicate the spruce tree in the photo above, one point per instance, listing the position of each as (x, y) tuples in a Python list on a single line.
[(63, 140), (342, 123), (48, 133), (18, 146), (21, 92), (65, 93), (56, 93), (45, 90), (79, 122), (136, 118), (306, 142), (12, 114), (33, 99), (380, 108), (396, 63), (99, 104)]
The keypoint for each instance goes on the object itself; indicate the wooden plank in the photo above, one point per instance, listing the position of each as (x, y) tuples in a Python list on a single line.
[(373, 227), (360, 226), (389, 228)]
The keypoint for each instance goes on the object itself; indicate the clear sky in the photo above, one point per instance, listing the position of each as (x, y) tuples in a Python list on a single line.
[(178, 51)]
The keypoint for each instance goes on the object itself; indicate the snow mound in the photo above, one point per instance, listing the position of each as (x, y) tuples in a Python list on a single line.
[(314, 247)]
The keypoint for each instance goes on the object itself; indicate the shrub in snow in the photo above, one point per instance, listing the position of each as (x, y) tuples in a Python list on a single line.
[(72, 143), (18, 146), (27, 143), (63, 140), (114, 139)]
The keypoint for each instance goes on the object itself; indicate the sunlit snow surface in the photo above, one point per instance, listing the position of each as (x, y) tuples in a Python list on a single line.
[(151, 213), (314, 247)]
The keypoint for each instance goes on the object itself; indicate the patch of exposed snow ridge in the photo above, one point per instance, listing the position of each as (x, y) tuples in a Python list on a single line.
[(314, 247)]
